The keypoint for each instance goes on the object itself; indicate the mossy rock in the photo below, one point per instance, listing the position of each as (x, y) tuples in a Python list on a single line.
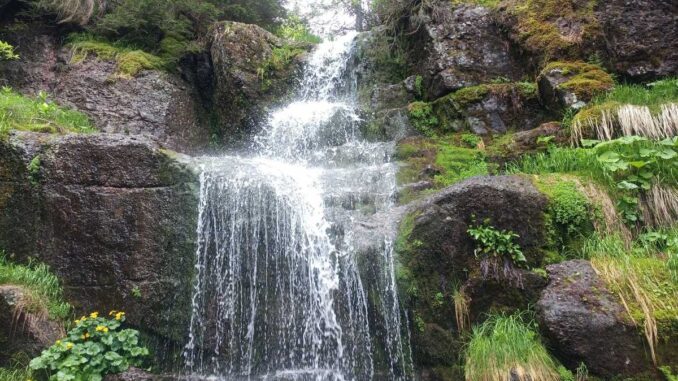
[(565, 85)]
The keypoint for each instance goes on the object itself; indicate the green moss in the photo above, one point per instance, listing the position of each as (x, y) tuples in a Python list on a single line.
[(586, 80), (129, 61), (458, 163), (469, 95), (537, 25)]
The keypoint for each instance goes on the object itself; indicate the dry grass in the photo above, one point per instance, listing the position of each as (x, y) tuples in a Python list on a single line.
[(461, 311), (612, 121), (611, 222), (74, 11), (659, 206)]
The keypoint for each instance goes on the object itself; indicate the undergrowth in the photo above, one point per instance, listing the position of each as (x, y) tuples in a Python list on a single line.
[(18, 112), (45, 292)]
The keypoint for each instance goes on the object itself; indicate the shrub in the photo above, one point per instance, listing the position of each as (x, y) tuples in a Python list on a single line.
[(569, 212), (18, 112), (294, 29), (44, 288), (7, 52), (508, 348), (96, 347)]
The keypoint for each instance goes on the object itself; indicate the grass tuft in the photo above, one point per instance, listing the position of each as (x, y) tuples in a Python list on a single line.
[(44, 287), (508, 348)]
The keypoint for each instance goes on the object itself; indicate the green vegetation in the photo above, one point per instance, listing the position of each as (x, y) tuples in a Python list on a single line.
[(293, 29), (129, 61), (422, 118), (44, 289), (14, 374), (18, 112), (458, 163), (507, 347), (281, 58), (95, 347), (492, 243), (586, 80), (537, 26), (7, 52), (640, 276)]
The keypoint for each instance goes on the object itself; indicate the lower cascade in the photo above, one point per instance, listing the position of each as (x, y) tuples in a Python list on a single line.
[(295, 270)]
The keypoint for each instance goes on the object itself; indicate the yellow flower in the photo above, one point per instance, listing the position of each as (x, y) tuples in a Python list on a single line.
[(119, 315), (101, 328), (94, 315), (58, 342), (69, 345), (112, 313)]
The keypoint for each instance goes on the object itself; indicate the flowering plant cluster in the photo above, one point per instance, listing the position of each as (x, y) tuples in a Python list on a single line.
[(95, 347)]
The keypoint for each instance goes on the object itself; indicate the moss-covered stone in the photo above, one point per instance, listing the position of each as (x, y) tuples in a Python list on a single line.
[(572, 84)]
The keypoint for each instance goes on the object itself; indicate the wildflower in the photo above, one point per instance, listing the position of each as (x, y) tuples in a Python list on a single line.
[(69, 345), (113, 312), (58, 342), (94, 315), (119, 315), (101, 328)]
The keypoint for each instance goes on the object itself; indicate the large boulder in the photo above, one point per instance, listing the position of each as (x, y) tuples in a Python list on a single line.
[(458, 46), (564, 85), (24, 332), (157, 104), (641, 37), (584, 322), (436, 260), (113, 215), (253, 70)]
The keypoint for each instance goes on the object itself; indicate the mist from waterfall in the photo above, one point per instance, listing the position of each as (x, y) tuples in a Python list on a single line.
[(280, 290)]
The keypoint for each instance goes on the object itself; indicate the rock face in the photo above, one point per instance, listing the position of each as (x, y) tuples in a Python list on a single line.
[(155, 104), (564, 85), (459, 46), (584, 322), (247, 80), (641, 37), (113, 215), (133, 374), (23, 333)]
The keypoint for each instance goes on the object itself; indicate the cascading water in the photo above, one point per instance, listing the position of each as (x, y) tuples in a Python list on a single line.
[(280, 287)]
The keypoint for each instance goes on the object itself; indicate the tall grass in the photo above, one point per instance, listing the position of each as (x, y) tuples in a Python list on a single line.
[(18, 112), (73, 11), (506, 348), (14, 374), (45, 292), (559, 160)]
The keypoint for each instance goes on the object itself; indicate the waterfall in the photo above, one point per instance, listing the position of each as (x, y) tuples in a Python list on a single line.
[(295, 271)]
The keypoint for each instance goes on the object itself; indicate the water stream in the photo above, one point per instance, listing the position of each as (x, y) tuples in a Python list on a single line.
[(295, 269)]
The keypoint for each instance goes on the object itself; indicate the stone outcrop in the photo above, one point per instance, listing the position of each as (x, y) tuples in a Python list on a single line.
[(641, 37), (564, 85), (160, 105), (459, 46), (253, 70), (584, 322), (113, 215), (24, 333)]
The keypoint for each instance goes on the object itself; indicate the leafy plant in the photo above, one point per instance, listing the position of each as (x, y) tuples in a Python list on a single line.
[(7, 52), (491, 242), (471, 140), (96, 347), (422, 117), (136, 292)]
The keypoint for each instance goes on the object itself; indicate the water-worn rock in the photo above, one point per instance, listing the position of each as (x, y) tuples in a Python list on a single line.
[(247, 81), (155, 104), (641, 37), (133, 374), (458, 46), (584, 322), (23, 333), (113, 215)]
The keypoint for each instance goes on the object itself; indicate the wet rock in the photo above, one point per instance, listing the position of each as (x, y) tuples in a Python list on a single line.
[(641, 37), (487, 296), (154, 104), (23, 333), (459, 46), (134, 374), (584, 322), (246, 80), (493, 108), (564, 85), (110, 214)]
